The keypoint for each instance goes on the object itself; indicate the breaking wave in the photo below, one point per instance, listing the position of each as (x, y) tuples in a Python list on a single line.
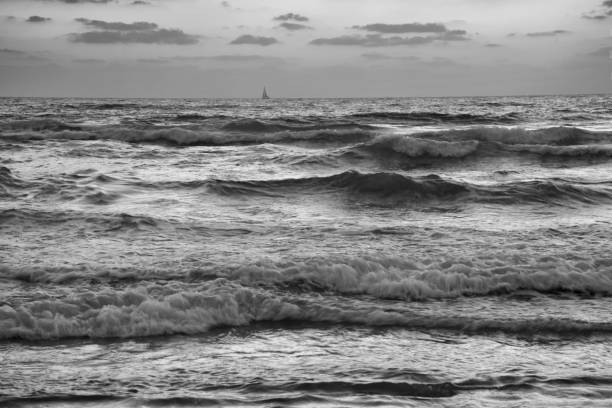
[(400, 188), (384, 187), (493, 141), (396, 278), (442, 144), (155, 310), (418, 147)]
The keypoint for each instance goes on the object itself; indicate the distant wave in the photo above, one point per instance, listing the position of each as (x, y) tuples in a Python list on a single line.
[(156, 310), (436, 117), (360, 139), (40, 125), (231, 133), (413, 146), (560, 135), (490, 141), (98, 222), (382, 187), (400, 188)]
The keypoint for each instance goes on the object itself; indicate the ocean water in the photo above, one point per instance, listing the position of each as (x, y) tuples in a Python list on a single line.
[(449, 252)]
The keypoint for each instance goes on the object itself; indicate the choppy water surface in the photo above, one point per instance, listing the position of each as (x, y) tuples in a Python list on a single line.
[(391, 252)]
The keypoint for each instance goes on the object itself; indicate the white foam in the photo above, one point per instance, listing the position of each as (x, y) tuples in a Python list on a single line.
[(417, 147), (143, 311), (400, 279)]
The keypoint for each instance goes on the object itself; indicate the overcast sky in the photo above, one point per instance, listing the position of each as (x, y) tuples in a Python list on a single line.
[(309, 48)]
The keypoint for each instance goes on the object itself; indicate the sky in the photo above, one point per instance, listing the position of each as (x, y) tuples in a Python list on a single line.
[(309, 48)]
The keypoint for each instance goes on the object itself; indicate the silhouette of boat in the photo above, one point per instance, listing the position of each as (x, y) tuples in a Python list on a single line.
[(264, 95)]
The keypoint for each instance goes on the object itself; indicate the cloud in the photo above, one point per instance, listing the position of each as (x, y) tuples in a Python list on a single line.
[(547, 33), (88, 61), (377, 56), (12, 52), (118, 26), (244, 58), (226, 57), (37, 19), (377, 40), (294, 26), (161, 36), (140, 3), (225, 4), (18, 55), (143, 32), (453, 35), (493, 45), (254, 40), (291, 16), (403, 28), (239, 59), (605, 52), (595, 16), (600, 14), (153, 60)]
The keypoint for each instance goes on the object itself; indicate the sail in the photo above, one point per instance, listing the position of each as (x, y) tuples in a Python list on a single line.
[(265, 94)]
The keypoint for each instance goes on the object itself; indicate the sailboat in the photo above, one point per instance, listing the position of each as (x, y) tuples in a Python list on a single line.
[(264, 95)]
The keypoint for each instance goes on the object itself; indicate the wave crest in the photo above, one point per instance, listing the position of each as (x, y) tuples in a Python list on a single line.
[(419, 147)]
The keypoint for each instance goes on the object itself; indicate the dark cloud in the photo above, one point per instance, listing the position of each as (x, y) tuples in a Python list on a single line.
[(403, 28), (595, 16), (294, 26), (161, 36), (547, 33), (113, 32), (10, 18), (600, 14), (140, 3), (291, 16), (453, 35), (373, 40), (37, 19), (377, 40), (493, 45), (118, 26), (254, 40), (225, 4)]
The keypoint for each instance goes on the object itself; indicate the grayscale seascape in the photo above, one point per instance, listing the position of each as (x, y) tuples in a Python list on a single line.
[(290, 203), (306, 252)]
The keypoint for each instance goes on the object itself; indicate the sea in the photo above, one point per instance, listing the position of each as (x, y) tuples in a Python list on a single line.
[(392, 252)]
